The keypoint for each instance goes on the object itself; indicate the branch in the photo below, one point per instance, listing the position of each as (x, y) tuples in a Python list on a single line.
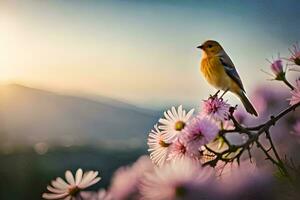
[(253, 137), (271, 121)]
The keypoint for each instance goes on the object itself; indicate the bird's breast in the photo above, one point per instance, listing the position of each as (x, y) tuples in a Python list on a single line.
[(214, 73)]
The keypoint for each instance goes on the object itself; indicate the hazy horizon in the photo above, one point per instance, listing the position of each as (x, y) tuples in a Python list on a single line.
[(91, 85), (139, 52)]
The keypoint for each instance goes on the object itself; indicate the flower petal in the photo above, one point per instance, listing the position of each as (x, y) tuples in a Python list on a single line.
[(96, 180), (54, 196), (69, 177), (174, 112), (60, 183), (78, 176), (57, 191), (87, 179), (189, 114)]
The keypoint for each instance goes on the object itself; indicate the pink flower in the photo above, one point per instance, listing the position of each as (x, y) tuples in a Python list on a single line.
[(277, 68), (184, 179), (124, 183), (216, 108), (101, 194), (178, 150), (126, 179), (269, 99), (200, 131), (142, 165), (235, 180), (295, 57), (295, 94)]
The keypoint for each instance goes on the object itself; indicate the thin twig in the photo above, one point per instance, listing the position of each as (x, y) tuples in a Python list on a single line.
[(288, 84), (253, 137), (280, 163)]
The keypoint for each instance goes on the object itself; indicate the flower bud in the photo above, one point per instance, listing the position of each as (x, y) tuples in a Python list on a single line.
[(277, 69)]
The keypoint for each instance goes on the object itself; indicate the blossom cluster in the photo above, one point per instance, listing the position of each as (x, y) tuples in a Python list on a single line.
[(280, 75), (174, 169), (183, 141), (179, 134), (176, 147)]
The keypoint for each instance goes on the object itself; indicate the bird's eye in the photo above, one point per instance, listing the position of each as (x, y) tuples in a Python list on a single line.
[(209, 46)]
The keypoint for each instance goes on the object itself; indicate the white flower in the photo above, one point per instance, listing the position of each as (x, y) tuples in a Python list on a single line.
[(174, 122), (69, 189), (158, 147)]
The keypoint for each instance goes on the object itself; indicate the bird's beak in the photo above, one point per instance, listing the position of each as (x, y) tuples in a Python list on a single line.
[(200, 47)]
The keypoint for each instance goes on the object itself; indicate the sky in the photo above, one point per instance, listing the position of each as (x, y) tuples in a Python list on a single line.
[(142, 52)]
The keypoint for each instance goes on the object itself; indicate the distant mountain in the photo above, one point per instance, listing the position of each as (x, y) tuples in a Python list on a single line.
[(29, 115)]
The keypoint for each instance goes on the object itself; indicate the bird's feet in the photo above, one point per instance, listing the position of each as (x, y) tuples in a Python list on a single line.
[(223, 93), (216, 94)]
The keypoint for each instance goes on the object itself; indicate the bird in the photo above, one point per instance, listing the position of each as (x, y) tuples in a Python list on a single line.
[(220, 72)]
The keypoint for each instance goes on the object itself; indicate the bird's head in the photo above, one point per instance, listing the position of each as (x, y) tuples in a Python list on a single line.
[(211, 47)]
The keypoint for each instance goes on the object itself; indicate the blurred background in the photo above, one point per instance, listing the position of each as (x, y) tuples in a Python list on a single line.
[(83, 82)]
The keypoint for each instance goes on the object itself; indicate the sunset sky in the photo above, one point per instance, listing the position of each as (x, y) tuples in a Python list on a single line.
[(143, 52)]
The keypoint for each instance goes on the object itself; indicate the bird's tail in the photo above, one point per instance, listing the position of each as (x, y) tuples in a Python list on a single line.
[(247, 104)]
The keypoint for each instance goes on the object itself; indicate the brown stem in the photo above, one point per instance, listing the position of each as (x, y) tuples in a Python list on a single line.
[(253, 138), (288, 84), (259, 145), (280, 164)]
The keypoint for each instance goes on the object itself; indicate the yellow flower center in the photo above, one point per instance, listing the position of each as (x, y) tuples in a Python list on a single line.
[(163, 144), (74, 191), (179, 125)]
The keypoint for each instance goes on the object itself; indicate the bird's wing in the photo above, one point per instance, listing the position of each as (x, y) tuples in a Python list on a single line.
[(231, 71)]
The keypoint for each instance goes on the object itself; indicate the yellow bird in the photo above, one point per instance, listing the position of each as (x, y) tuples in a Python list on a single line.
[(220, 72)]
